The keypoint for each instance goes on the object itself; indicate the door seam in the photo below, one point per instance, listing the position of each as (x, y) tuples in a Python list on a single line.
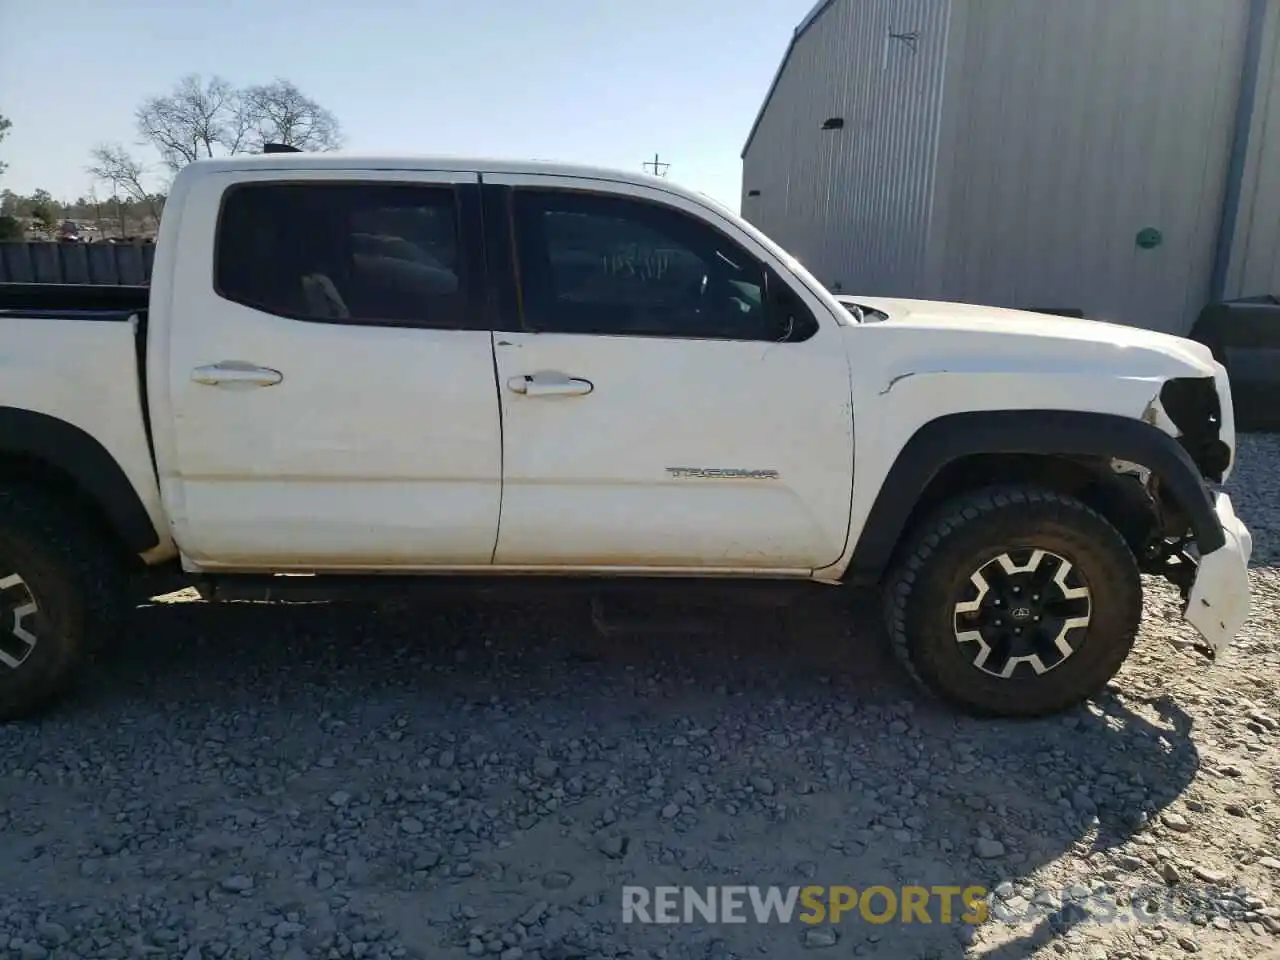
[(491, 298), (502, 448)]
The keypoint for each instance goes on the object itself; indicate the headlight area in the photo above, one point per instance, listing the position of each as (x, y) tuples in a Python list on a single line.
[(1194, 407)]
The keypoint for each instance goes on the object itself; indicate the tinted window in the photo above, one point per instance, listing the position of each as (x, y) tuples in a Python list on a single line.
[(348, 253), (608, 265)]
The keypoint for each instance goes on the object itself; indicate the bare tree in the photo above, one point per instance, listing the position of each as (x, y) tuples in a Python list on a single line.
[(95, 205), (116, 166), (192, 121), (201, 119), (5, 124), (281, 113)]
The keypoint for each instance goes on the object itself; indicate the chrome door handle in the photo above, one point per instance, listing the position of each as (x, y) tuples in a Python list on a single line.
[(550, 384), (236, 373)]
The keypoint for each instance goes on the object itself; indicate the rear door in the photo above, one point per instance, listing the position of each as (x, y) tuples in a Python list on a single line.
[(669, 400), (330, 374)]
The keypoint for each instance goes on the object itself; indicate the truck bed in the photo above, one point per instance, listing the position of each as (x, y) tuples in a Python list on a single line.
[(84, 379), (80, 301)]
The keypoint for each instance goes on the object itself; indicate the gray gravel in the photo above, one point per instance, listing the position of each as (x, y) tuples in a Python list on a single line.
[(332, 781)]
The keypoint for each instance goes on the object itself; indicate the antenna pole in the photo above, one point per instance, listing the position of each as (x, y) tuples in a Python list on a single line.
[(656, 166)]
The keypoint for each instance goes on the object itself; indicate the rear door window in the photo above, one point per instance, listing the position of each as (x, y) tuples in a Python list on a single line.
[(343, 253)]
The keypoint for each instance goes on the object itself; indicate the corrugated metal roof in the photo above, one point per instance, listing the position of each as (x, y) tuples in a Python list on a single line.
[(818, 10)]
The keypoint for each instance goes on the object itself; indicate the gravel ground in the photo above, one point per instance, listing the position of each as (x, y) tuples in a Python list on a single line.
[(331, 781)]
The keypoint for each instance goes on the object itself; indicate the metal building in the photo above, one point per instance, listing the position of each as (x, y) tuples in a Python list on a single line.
[(1121, 157)]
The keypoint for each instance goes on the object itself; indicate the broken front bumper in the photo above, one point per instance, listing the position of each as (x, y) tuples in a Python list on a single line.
[(1218, 602)]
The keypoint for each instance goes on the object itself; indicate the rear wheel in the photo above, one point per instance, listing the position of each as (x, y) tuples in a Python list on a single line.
[(1014, 601), (61, 596)]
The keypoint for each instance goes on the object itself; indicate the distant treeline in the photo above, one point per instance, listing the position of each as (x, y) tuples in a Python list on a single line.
[(39, 213)]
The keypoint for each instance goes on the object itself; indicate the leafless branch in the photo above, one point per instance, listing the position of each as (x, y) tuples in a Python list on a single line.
[(201, 119), (193, 122), (114, 165), (5, 124), (281, 113)]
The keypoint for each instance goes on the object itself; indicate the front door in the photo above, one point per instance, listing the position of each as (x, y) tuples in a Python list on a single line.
[(655, 412), (331, 381)]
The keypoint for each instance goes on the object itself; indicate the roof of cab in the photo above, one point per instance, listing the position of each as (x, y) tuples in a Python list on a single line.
[(340, 160)]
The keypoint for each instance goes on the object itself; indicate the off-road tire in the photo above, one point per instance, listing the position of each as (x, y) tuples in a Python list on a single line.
[(74, 580), (932, 570)]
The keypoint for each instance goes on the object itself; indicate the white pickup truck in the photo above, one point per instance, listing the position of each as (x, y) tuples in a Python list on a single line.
[(422, 368)]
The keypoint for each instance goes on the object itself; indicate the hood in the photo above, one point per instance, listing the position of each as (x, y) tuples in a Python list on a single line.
[(1071, 336)]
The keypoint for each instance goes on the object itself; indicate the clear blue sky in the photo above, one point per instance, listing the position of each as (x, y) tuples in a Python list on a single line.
[(594, 81)]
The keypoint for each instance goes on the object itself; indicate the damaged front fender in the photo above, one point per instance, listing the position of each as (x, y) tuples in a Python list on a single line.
[(1197, 412), (1218, 602)]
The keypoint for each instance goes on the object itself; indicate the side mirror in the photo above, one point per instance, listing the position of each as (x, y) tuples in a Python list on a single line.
[(788, 315)]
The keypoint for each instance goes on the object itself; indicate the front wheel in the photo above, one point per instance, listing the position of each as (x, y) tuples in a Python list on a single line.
[(1014, 601), (61, 596)]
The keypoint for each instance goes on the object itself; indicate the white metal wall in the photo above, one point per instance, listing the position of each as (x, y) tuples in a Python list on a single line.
[(853, 204), (1255, 260), (1079, 125), (1013, 158)]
